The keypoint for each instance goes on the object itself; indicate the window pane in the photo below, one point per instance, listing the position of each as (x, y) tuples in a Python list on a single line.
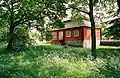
[(54, 35), (76, 32), (68, 33)]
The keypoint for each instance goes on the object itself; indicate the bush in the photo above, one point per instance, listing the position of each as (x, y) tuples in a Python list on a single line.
[(48, 36), (21, 38), (3, 34)]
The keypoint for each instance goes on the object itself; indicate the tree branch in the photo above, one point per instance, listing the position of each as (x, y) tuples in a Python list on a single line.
[(118, 3), (21, 22), (78, 9), (81, 10)]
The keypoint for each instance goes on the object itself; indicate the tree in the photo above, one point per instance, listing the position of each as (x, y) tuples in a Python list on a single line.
[(89, 4), (114, 29), (58, 24), (118, 3), (93, 36), (18, 12), (91, 8), (15, 14)]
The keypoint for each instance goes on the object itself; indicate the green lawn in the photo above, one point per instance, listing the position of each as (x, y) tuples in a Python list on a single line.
[(54, 61)]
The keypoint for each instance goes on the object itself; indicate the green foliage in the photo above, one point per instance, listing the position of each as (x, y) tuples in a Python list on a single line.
[(118, 2), (58, 24), (21, 38), (34, 35), (18, 12), (113, 31), (3, 35), (48, 36), (78, 18), (54, 61)]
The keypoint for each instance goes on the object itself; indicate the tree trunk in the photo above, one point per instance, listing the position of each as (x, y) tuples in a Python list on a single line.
[(93, 34), (11, 29), (11, 38)]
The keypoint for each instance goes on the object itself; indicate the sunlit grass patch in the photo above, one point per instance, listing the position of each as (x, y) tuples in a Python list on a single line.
[(109, 47)]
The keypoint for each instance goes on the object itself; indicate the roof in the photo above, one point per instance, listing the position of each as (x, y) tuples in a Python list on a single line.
[(72, 28)]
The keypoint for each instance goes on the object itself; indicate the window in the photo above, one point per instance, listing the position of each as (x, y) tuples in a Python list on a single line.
[(54, 35), (68, 33), (76, 32)]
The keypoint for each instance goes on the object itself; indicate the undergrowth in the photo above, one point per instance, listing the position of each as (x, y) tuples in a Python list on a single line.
[(54, 61)]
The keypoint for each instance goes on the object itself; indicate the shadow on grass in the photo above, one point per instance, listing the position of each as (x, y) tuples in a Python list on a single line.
[(30, 63), (107, 52), (38, 61), (50, 61), (111, 56)]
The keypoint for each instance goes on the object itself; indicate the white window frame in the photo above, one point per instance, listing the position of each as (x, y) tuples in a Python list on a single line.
[(54, 35), (67, 34)]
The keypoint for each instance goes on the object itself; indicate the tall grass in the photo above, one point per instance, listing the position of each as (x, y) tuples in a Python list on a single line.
[(54, 61)]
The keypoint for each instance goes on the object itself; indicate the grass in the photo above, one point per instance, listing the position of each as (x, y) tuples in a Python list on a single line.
[(54, 61)]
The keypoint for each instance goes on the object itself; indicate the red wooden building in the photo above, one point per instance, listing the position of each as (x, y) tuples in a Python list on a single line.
[(77, 36)]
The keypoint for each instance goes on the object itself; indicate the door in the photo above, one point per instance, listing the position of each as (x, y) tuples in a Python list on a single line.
[(60, 35)]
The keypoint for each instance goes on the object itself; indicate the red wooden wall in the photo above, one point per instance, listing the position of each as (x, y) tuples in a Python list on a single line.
[(72, 34), (87, 33), (55, 40), (84, 34)]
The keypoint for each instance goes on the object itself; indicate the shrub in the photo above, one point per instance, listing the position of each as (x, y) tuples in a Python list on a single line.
[(21, 38), (3, 34)]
